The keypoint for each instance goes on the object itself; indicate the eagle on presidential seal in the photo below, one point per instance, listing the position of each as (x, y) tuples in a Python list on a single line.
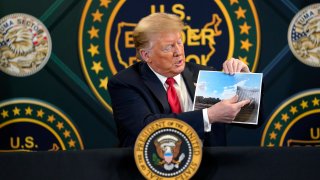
[(168, 149)]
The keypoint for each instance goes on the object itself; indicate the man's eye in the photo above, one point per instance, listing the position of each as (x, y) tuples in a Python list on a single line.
[(168, 48)]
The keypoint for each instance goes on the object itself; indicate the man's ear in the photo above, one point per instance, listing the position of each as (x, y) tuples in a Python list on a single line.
[(145, 55)]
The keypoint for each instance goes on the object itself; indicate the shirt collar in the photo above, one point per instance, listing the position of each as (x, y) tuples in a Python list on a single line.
[(163, 79)]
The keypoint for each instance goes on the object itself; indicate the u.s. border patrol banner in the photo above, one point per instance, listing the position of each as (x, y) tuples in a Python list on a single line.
[(295, 122), (34, 125), (92, 41), (223, 29)]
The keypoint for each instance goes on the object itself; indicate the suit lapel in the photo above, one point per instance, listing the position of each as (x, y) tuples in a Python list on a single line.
[(189, 81), (155, 86), (157, 89)]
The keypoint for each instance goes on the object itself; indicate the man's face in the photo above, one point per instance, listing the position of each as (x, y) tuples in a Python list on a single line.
[(166, 56)]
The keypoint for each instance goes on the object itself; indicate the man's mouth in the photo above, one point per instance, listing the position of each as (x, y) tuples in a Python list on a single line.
[(179, 62)]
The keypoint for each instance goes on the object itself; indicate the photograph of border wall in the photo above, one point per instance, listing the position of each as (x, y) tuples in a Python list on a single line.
[(214, 86)]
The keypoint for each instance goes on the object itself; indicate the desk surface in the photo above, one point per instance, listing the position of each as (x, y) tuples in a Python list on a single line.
[(217, 163)]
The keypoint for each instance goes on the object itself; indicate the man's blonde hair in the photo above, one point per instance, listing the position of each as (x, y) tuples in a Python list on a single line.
[(152, 25)]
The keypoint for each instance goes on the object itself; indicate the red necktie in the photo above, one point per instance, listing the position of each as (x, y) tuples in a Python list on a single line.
[(172, 96)]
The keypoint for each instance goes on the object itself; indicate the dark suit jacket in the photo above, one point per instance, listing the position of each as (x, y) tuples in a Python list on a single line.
[(138, 98)]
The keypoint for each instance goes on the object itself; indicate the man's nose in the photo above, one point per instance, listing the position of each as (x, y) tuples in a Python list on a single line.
[(177, 50)]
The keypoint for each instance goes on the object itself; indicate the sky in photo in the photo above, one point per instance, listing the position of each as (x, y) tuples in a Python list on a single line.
[(216, 84)]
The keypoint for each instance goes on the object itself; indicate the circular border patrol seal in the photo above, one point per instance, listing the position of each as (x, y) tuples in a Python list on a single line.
[(33, 125), (25, 45), (168, 148), (294, 122), (226, 29), (303, 36)]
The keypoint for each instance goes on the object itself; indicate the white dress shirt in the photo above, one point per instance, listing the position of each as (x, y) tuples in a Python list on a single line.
[(184, 97)]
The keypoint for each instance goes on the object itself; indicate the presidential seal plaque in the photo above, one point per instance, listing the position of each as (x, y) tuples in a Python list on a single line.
[(168, 148), (304, 35), (25, 45)]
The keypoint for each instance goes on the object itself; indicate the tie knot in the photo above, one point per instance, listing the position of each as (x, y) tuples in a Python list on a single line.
[(170, 81)]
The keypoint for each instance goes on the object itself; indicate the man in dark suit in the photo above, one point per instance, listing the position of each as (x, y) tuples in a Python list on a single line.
[(162, 85)]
